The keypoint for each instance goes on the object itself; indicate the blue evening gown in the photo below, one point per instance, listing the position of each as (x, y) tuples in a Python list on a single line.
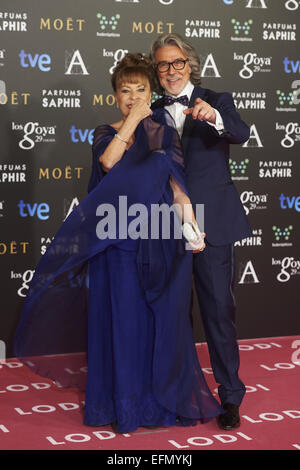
[(120, 306)]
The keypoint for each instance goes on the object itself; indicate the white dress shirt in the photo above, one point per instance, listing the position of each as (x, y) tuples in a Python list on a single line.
[(176, 110)]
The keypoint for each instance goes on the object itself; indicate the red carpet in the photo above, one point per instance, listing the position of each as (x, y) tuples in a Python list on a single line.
[(35, 414)]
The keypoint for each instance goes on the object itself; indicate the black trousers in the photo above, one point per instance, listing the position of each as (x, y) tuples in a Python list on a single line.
[(214, 278)]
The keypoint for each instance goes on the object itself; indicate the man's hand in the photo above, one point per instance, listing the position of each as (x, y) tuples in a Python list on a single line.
[(202, 111), (199, 245)]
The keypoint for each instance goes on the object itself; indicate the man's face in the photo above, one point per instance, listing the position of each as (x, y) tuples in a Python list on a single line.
[(173, 80)]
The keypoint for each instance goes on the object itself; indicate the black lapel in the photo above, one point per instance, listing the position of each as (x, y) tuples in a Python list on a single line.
[(158, 104), (189, 122)]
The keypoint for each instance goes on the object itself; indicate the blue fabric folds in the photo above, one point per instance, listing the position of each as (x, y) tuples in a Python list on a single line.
[(119, 307)]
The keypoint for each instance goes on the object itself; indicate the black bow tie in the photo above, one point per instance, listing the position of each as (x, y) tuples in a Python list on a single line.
[(168, 100)]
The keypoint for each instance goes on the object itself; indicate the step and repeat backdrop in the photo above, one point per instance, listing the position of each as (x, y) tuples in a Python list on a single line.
[(56, 61)]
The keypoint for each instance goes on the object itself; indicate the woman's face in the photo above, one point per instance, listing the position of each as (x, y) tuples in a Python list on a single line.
[(127, 93)]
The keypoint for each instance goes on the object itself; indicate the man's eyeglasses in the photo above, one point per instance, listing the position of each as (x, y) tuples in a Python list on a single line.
[(177, 64)]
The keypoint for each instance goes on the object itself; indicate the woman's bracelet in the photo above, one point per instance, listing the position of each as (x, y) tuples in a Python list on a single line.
[(120, 138)]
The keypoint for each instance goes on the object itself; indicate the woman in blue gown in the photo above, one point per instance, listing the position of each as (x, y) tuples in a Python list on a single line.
[(118, 300)]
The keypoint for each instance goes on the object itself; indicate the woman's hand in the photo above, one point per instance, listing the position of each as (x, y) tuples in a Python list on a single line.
[(139, 111)]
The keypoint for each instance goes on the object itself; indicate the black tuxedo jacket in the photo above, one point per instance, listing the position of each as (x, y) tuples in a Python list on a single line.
[(206, 157)]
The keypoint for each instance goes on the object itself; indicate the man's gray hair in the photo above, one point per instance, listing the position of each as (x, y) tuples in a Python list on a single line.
[(174, 39)]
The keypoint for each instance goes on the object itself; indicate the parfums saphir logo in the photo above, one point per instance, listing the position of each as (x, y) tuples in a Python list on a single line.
[(203, 29), (275, 169), (45, 242), (248, 100), (13, 22), (279, 31), (254, 240), (13, 173), (58, 98)]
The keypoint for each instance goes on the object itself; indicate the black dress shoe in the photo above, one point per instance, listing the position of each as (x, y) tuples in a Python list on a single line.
[(230, 419)]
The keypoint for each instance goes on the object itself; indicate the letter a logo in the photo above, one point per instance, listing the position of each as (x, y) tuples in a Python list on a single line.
[(209, 68), (73, 204), (254, 139), (248, 274), (74, 64), (256, 4)]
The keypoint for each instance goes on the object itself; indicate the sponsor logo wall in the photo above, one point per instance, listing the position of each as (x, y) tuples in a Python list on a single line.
[(55, 69)]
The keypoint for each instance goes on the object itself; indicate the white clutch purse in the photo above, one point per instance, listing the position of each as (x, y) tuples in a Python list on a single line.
[(192, 233)]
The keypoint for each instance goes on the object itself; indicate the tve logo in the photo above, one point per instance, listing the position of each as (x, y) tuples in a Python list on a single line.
[(40, 210), (43, 61), (291, 66), (287, 202), (79, 135)]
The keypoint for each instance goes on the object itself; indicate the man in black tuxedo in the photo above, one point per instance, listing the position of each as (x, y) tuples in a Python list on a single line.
[(208, 123)]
